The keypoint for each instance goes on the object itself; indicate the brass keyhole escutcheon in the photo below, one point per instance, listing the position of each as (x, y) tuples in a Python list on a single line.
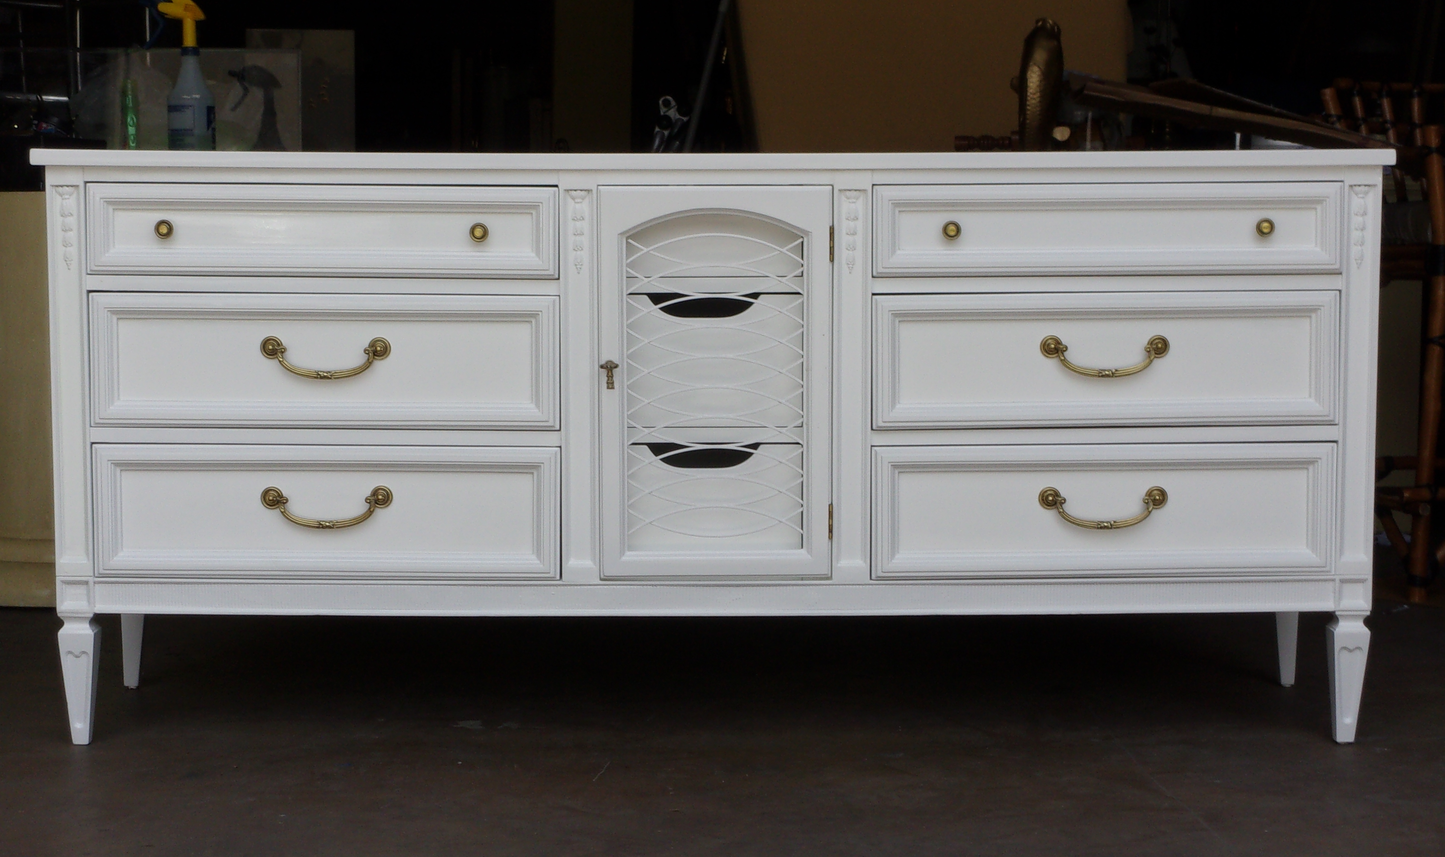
[(164, 229), (1264, 228), (951, 230), (479, 232)]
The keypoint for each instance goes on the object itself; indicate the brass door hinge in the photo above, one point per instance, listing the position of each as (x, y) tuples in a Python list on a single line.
[(830, 522), (830, 243)]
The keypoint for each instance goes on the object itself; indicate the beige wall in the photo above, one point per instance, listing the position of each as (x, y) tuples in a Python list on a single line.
[(27, 529), (906, 75)]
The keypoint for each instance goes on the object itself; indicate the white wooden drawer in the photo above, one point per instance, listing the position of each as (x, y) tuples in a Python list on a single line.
[(716, 497), (1107, 228), (197, 511), (322, 230), (197, 360), (715, 361), (953, 361), (1231, 508)]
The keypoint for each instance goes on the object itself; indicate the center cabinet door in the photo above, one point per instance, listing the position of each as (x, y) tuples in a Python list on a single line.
[(714, 303)]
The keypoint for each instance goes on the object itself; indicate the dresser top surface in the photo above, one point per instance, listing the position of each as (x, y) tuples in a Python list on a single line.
[(698, 163)]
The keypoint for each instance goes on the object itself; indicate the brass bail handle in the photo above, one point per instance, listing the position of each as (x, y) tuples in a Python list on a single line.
[(379, 498), (1154, 498), (377, 349), (1053, 347)]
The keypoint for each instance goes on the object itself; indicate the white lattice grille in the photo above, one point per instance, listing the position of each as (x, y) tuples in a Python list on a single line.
[(755, 503), (742, 370), (714, 381)]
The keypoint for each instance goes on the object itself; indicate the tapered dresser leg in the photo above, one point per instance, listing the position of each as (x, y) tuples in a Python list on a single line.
[(79, 653), (132, 628), (1286, 631), (1349, 642)]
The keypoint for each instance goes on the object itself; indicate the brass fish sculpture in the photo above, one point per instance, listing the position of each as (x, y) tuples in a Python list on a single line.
[(1040, 80)]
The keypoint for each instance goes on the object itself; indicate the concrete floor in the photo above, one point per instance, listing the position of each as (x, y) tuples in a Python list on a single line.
[(1077, 735)]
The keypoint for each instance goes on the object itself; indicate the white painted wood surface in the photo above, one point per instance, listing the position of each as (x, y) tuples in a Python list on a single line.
[(294, 229), (749, 378), (1347, 647), (132, 635), (186, 359), (196, 511), (1106, 228), (1286, 628), (1250, 357), (975, 511), (928, 419)]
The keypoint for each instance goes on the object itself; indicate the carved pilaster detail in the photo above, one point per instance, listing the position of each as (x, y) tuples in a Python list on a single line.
[(1359, 207), (66, 195), (579, 228), (850, 228)]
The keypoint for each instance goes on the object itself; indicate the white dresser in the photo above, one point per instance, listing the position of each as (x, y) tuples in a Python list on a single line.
[(713, 385)]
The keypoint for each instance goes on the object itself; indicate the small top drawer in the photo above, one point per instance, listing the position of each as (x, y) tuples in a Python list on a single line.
[(322, 229), (953, 230)]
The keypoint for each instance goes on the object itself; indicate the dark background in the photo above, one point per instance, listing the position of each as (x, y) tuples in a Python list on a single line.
[(412, 70)]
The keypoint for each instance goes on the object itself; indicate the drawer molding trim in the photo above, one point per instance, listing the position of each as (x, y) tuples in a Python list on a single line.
[(110, 407), (379, 464), (1110, 558), (526, 248), (1318, 407), (1321, 202)]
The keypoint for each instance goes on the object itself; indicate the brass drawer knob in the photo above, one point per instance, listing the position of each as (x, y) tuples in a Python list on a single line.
[(1052, 500), (479, 232), (951, 230), (1264, 228), (164, 229)]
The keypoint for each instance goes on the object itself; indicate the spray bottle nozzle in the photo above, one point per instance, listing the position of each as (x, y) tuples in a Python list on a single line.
[(188, 14)]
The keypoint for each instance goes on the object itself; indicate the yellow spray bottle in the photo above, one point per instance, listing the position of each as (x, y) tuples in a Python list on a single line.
[(190, 110)]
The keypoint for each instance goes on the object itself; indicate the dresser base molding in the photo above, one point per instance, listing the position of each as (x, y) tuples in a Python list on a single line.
[(703, 598)]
